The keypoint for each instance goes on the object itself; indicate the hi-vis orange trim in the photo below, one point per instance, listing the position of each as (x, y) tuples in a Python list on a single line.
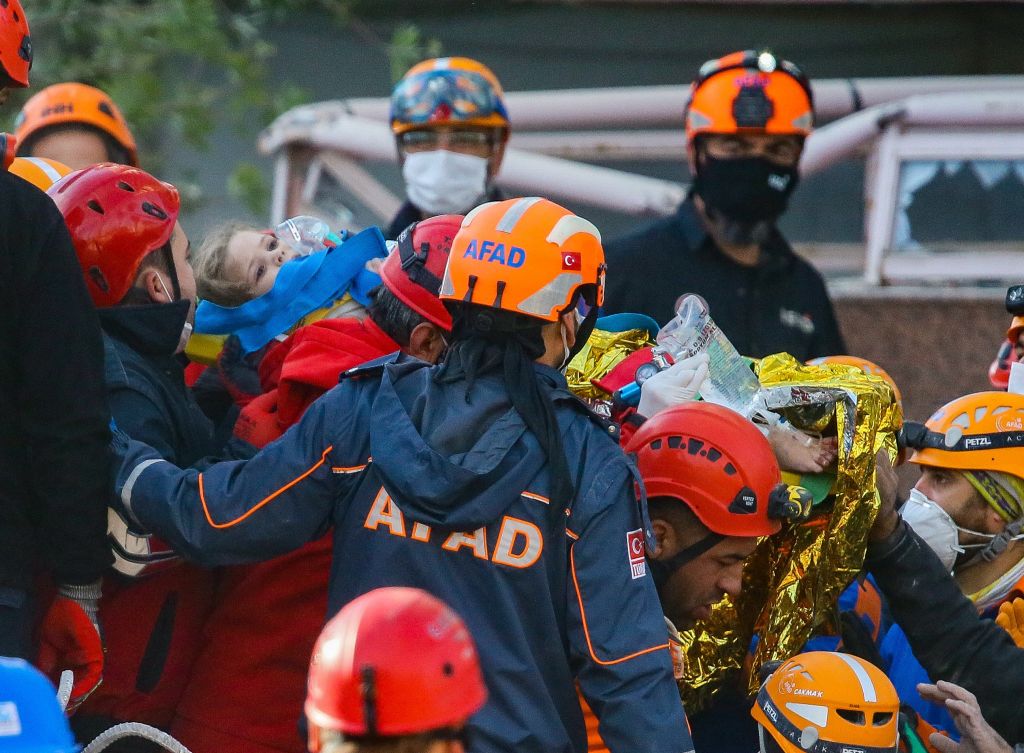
[(571, 535), (536, 497), (586, 630), (265, 501), (341, 470)]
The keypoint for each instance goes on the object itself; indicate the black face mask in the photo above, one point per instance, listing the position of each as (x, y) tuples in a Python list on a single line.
[(747, 190)]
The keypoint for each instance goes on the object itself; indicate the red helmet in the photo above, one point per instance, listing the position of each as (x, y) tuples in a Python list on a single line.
[(713, 460), (414, 270), (395, 661), (117, 215), (15, 43)]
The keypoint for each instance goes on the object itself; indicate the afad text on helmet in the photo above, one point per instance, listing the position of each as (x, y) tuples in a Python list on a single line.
[(491, 251)]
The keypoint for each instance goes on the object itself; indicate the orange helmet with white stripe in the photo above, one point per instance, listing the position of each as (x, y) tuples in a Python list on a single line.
[(39, 171), (525, 256), (827, 702), (750, 92)]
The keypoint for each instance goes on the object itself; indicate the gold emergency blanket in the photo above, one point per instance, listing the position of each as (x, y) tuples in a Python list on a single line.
[(602, 353), (792, 582)]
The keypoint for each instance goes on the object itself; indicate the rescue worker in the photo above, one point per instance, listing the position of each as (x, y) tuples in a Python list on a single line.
[(451, 126), (76, 124), (455, 478), (54, 416), (134, 257), (968, 506), (746, 122), (713, 488), (396, 670), (940, 623), (827, 702), (248, 701), (31, 719)]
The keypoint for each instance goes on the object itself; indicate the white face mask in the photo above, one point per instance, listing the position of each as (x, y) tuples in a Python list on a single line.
[(443, 182), (566, 350), (939, 531), (186, 330)]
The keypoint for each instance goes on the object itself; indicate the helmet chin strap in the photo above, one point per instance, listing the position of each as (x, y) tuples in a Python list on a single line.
[(662, 570), (172, 271)]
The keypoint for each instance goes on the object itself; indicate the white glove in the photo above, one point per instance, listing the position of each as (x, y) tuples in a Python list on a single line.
[(677, 384)]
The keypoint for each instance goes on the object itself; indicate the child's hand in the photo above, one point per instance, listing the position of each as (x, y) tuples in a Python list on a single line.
[(800, 453)]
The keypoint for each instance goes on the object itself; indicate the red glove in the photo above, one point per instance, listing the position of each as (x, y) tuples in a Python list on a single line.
[(69, 638)]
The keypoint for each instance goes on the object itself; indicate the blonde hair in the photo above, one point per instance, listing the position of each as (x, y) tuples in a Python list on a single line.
[(211, 284)]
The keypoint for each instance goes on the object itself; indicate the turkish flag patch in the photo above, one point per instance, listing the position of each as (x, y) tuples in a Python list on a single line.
[(571, 260), (635, 550)]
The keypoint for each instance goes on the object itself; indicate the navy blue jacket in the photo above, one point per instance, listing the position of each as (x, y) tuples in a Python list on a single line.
[(428, 490), (146, 381), (779, 305)]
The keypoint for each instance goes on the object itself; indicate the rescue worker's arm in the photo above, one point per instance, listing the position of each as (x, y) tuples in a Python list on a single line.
[(63, 413), (240, 511), (616, 628), (945, 632), (141, 419)]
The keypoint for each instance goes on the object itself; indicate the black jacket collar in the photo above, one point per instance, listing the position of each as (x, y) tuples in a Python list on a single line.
[(153, 329)]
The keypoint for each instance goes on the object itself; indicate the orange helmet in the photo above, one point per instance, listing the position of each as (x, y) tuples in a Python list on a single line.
[(395, 661), (73, 104), (40, 172), (1016, 327), (448, 91), (525, 256), (868, 367), (15, 44), (827, 702), (750, 91), (983, 431)]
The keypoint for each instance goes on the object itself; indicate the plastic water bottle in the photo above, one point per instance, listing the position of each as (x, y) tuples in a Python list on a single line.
[(730, 381), (306, 235)]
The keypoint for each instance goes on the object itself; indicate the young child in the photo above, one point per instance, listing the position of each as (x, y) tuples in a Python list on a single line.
[(254, 285)]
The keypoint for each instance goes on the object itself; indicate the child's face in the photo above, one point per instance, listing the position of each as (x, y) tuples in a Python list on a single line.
[(255, 258)]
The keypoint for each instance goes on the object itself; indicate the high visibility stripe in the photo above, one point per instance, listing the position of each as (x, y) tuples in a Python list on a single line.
[(265, 501), (867, 687), (536, 497), (129, 485), (471, 215), (47, 168), (342, 470), (586, 630), (568, 226), (515, 213)]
